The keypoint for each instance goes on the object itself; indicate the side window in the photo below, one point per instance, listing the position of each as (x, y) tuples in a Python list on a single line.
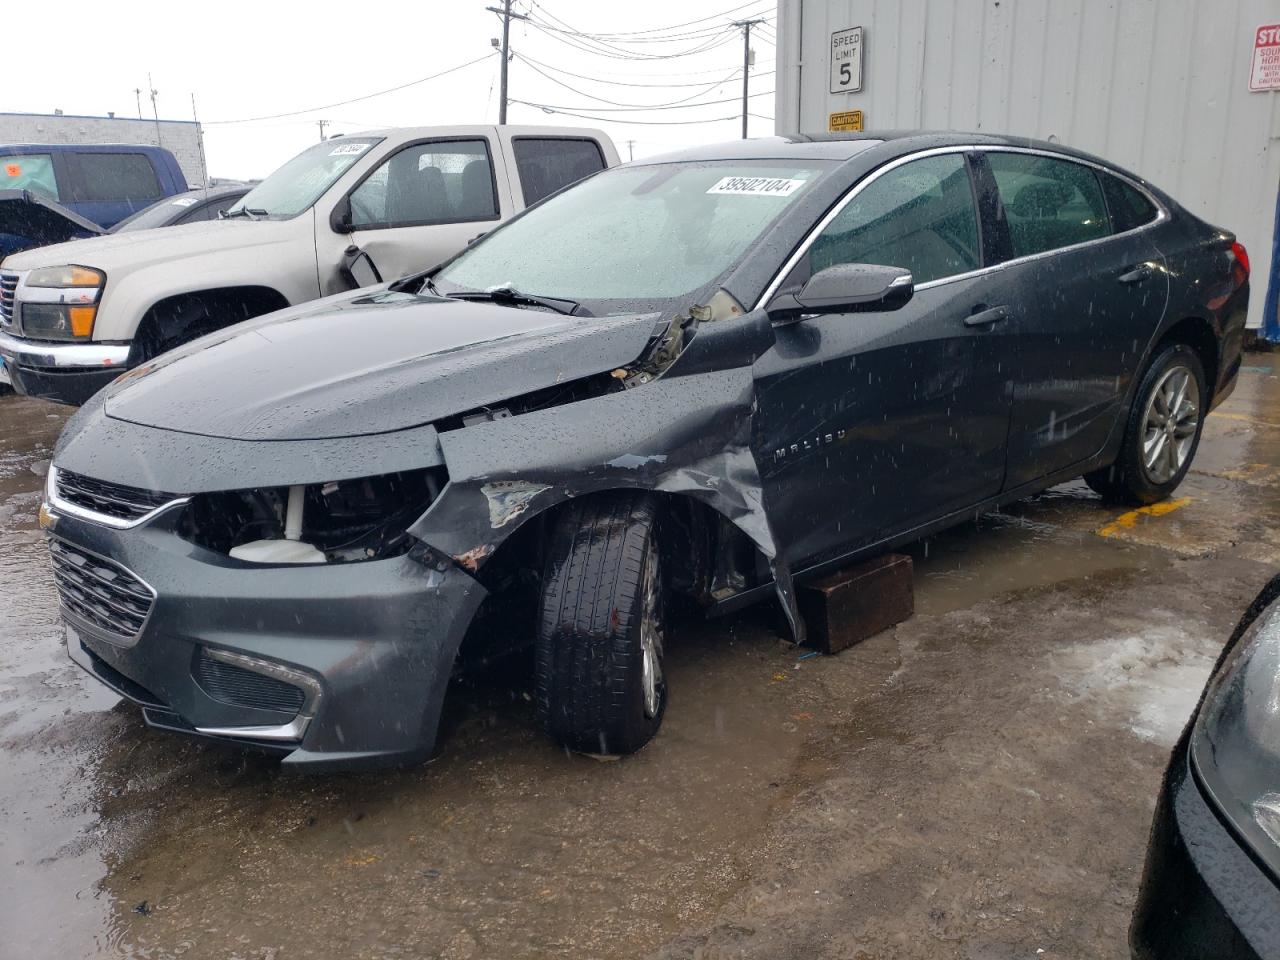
[(546, 164), (207, 211), (920, 216), (32, 171), (1048, 203), (442, 182), (1129, 207), (113, 177)]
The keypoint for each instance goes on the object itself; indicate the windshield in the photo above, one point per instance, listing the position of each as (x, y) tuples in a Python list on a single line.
[(300, 182), (636, 233)]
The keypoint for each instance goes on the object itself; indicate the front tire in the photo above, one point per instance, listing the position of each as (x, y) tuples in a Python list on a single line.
[(1162, 432), (602, 624)]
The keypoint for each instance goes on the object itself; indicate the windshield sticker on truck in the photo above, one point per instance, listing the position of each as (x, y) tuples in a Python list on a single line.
[(184, 201), (13, 169), (347, 149), (757, 186)]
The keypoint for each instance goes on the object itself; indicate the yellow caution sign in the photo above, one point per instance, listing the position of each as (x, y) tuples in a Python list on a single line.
[(845, 122)]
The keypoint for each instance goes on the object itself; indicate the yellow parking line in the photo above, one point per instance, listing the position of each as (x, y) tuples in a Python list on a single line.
[(1127, 521), (1241, 417)]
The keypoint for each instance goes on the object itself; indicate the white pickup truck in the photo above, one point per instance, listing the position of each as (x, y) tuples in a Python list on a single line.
[(346, 212)]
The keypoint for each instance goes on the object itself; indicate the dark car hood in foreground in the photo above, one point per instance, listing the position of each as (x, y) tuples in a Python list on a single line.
[(29, 220), (367, 364)]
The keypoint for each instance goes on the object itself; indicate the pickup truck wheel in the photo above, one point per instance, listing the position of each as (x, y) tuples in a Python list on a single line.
[(176, 325), (602, 625), (1162, 431)]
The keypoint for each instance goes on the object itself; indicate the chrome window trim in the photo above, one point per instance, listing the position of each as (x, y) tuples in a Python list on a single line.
[(57, 505), (1162, 214), (295, 728), (80, 623)]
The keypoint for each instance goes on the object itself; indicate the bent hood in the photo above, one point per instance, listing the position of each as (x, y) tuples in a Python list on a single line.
[(29, 220), (362, 364)]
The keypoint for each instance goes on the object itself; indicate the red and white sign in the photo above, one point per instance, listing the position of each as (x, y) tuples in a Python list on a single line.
[(1265, 74)]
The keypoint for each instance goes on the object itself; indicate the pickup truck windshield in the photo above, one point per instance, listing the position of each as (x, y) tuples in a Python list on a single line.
[(300, 182), (635, 233)]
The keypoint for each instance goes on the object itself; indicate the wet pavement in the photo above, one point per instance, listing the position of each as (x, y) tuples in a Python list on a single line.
[(977, 782)]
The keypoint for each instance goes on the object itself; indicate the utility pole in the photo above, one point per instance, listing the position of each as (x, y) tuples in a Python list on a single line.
[(155, 111), (631, 149), (323, 124), (137, 95), (746, 26), (506, 15)]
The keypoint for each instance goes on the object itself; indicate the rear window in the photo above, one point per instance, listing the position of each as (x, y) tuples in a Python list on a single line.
[(1129, 207), (1049, 203), (31, 171), (546, 164), (112, 177)]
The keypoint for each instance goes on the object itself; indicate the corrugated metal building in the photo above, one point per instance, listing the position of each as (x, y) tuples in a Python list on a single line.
[(182, 138), (1159, 86)]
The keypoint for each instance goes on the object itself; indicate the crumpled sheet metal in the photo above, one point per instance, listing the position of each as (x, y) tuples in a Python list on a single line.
[(686, 435)]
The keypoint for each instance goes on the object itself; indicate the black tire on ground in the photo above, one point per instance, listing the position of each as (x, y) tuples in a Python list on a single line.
[(1131, 479), (602, 605)]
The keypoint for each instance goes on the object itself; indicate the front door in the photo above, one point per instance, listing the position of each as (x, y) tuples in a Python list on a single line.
[(1090, 291), (419, 206), (870, 424)]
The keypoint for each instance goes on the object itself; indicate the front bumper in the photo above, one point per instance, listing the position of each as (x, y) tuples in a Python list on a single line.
[(1203, 897), (63, 372), (376, 641)]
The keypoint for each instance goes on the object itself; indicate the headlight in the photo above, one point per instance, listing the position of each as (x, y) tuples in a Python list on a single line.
[(1236, 743), (61, 303), (70, 275)]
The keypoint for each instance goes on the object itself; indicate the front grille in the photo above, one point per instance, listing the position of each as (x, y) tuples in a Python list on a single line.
[(8, 286), (245, 688), (103, 594), (110, 499)]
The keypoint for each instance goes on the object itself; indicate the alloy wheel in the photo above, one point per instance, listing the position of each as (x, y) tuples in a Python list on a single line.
[(651, 635), (1170, 423)]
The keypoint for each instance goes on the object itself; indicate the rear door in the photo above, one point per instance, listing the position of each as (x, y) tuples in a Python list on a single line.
[(106, 187), (870, 424), (424, 203), (1088, 288), (543, 165)]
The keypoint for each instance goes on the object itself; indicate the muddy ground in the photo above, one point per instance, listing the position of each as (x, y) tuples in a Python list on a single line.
[(975, 783)]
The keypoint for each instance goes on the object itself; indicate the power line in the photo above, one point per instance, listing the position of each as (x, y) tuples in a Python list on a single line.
[(583, 42), (683, 106), (343, 103), (675, 26), (624, 83), (703, 88), (646, 123)]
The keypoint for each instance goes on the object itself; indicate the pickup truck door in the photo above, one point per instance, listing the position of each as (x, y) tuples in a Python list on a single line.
[(421, 204), (538, 164)]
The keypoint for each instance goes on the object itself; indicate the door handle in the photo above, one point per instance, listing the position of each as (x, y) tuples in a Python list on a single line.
[(985, 316), (1136, 274)]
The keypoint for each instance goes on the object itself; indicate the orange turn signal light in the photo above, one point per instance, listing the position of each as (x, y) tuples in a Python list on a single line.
[(82, 320)]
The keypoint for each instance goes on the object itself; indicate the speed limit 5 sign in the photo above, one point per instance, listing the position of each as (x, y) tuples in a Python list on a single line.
[(846, 60)]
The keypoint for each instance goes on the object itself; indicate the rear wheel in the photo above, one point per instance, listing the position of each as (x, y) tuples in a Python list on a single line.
[(1162, 432), (602, 626)]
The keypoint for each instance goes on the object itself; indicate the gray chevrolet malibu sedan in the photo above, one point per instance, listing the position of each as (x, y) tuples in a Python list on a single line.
[(687, 382)]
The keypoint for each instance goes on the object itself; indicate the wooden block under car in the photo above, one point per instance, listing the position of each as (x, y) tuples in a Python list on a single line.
[(853, 604)]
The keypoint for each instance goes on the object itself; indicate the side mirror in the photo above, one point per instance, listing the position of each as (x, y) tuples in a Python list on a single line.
[(359, 269), (845, 288), (340, 218)]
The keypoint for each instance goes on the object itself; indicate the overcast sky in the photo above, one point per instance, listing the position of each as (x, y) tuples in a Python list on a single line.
[(245, 60)]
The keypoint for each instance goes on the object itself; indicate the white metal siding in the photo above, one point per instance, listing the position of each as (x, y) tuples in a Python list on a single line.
[(179, 137), (1158, 86)]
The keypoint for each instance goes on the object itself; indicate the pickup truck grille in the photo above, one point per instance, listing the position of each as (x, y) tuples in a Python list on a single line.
[(101, 594), (109, 499), (8, 287)]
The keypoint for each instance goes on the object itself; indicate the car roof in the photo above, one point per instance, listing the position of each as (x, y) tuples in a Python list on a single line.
[(846, 146)]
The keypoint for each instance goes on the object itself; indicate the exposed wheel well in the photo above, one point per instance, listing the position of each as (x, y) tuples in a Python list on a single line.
[(1197, 334), (704, 555), (177, 319)]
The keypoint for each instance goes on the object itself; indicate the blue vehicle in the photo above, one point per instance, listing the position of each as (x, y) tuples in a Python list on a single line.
[(96, 185)]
